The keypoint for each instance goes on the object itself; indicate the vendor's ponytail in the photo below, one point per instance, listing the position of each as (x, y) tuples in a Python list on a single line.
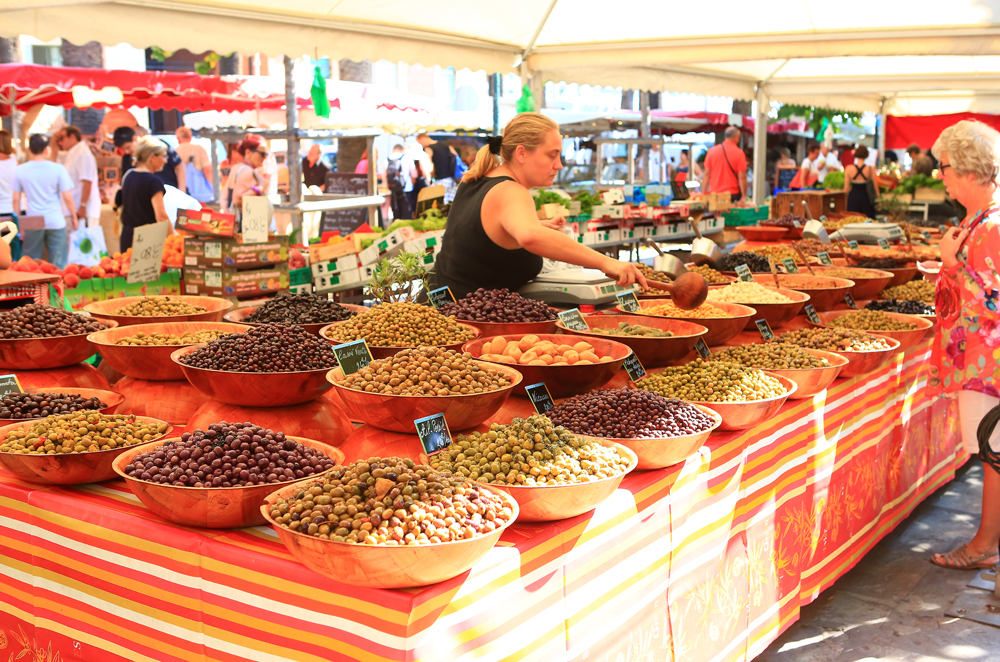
[(528, 129)]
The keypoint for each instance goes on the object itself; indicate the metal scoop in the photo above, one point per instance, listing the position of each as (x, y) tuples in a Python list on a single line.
[(704, 251)]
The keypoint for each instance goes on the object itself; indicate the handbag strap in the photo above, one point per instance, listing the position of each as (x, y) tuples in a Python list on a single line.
[(726, 157)]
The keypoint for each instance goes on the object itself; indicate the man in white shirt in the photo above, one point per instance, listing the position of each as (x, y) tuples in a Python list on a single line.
[(826, 163), (82, 168), (48, 188)]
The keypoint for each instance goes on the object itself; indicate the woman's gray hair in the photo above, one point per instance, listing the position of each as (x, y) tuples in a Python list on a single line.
[(146, 147), (973, 149)]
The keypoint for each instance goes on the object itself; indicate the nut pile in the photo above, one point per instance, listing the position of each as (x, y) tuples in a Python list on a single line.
[(876, 263), (835, 340), (851, 273), (498, 306), (907, 307), (915, 290), (392, 502), (806, 282), (529, 452), (299, 309), (651, 273), (159, 307), (532, 350), (626, 329), (871, 320), (754, 261), (38, 321), (401, 325), (629, 413), (162, 339), (812, 246), (229, 455), (778, 253), (426, 371), (785, 221), (712, 381), (747, 292), (80, 432), (704, 311), (771, 356), (268, 348), (40, 405), (711, 276)]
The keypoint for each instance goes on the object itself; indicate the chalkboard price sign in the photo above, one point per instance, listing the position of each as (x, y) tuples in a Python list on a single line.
[(702, 349), (811, 314), (573, 320), (790, 265), (765, 329), (433, 432), (442, 296), (353, 356), (344, 221), (634, 368), (629, 302), (540, 397), (346, 183), (853, 245), (824, 258), (743, 271), (9, 384), (849, 300), (883, 244)]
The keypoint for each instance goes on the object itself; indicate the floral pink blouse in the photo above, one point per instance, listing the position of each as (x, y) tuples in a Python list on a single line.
[(966, 355)]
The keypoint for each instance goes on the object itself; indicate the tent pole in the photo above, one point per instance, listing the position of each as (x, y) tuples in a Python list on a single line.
[(216, 176), (760, 147), (497, 82), (880, 137), (292, 153), (644, 131)]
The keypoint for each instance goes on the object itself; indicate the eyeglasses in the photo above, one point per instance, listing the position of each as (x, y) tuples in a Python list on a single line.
[(944, 166), (264, 153)]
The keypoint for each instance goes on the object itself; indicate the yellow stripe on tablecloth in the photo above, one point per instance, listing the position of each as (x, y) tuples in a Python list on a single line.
[(261, 646), (14, 504), (92, 640)]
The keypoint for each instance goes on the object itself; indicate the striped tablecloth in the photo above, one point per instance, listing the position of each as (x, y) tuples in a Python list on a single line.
[(709, 560)]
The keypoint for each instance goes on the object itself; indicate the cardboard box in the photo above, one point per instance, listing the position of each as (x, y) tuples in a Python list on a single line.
[(304, 288), (230, 282), (169, 282), (338, 280), (83, 294), (608, 211), (345, 263), (229, 254), (551, 210), (326, 252), (714, 224), (600, 237), (421, 245), (299, 277), (925, 194), (388, 246), (206, 222)]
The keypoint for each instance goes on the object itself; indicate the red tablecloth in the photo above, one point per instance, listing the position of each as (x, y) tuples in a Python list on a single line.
[(709, 560)]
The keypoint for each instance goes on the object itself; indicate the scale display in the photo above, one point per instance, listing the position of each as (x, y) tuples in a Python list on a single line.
[(575, 286), (869, 233)]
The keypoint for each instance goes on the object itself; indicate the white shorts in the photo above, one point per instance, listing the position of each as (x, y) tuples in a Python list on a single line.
[(972, 407)]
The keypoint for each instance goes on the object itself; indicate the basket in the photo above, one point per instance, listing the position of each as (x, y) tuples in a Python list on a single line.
[(740, 216)]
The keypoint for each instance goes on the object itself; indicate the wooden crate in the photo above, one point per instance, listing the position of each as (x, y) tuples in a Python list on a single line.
[(924, 194), (820, 203)]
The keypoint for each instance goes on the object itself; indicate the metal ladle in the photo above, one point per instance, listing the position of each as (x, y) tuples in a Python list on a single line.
[(704, 251)]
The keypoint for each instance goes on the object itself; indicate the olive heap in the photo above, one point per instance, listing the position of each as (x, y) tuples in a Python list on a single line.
[(170, 339), (669, 309), (905, 307), (268, 348), (40, 321), (499, 307), (835, 340), (529, 452), (159, 307), (747, 292), (876, 263), (712, 381), (40, 405), (915, 290), (431, 371), (401, 325), (80, 432), (771, 356), (228, 455), (785, 221), (652, 274), (635, 330), (871, 320), (711, 276), (392, 502), (299, 309), (754, 261), (628, 413), (778, 253), (852, 273)]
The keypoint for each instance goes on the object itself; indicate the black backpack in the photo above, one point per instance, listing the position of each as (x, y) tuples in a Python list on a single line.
[(394, 175)]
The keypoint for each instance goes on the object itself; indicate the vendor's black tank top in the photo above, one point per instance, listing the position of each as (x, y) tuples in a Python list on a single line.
[(469, 259)]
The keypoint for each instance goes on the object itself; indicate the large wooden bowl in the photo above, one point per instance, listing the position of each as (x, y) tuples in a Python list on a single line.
[(150, 362), (209, 507), (66, 468), (379, 352), (381, 566), (762, 232), (863, 363), (720, 329), (110, 398), (174, 402), (810, 381), (901, 275), (46, 353), (864, 288), (491, 329), (254, 389), (652, 352), (822, 298), (907, 339), (105, 310), (776, 314), (396, 413), (320, 419), (239, 315), (81, 375), (563, 380)]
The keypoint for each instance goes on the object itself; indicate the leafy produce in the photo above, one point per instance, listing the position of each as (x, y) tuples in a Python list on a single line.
[(587, 201), (548, 197), (834, 181), (913, 182)]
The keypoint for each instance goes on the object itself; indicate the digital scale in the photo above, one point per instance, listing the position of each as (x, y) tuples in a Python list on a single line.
[(575, 286), (868, 233)]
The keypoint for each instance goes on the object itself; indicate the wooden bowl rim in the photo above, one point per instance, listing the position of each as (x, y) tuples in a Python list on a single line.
[(223, 305), (514, 336), (714, 304), (478, 332), (187, 349), (4, 431), (486, 364), (780, 378), (822, 353), (704, 330), (716, 418), (113, 325), (136, 328)]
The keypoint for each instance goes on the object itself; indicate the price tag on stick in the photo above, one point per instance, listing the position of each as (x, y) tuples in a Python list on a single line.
[(790, 265), (573, 320), (9, 384), (634, 368), (883, 244), (540, 397), (442, 296), (849, 300), (812, 314), (943, 228), (147, 252), (256, 219), (702, 349), (433, 432), (743, 271), (629, 302), (926, 235), (853, 245), (765, 329), (352, 356), (824, 258)]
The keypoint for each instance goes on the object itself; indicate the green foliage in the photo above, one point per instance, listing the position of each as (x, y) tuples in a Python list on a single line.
[(893, 206), (814, 116), (587, 201), (834, 180), (158, 54), (548, 197), (399, 278), (913, 182), (207, 65)]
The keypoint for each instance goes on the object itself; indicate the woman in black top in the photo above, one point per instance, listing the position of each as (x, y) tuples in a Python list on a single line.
[(857, 177), (494, 238), (142, 190)]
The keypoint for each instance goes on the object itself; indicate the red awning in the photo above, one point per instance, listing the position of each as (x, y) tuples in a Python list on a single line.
[(32, 84), (901, 132)]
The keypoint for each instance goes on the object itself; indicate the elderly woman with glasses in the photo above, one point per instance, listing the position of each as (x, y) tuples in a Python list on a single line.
[(966, 356), (142, 190), (246, 177)]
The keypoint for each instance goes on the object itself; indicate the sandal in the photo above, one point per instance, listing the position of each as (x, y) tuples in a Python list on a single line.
[(960, 559)]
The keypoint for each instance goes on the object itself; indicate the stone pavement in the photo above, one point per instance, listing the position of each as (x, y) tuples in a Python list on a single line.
[(891, 606)]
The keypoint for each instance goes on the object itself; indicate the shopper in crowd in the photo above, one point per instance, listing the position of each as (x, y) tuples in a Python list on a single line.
[(172, 173), (246, 177), (142, 190), (847, 155), (493, 238), (396, 176), (726, 167), (419, 166), (678, 176), (5, 255), (313, 169), (861, 183), (921, 163), (443, 159), (197, 166), (826, 163), (786, 159), (8, 168), (48, 187), (966, 356), (82, 168)]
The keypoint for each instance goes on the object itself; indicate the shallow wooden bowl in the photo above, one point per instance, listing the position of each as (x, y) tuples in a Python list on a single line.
[(863, 363), (907, 339), (762, 232), (239, 315), (174, 401), (151, 362), (209, 507), (864, 288), (901, 275), (720, 329), (46, 353), (105, 310), (379, 566), (776, 314), (821, 298), (491, 329), (396, 413), (254, 389), (81, 375), (385, 352), (564, 380), (110, 398), (67, 468), (652, 352), (810, 381), (320, 419)]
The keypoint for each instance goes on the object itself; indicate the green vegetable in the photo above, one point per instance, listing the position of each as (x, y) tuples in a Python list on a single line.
[(548, 197), (834, 181), (913, 182), (587, 201)]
